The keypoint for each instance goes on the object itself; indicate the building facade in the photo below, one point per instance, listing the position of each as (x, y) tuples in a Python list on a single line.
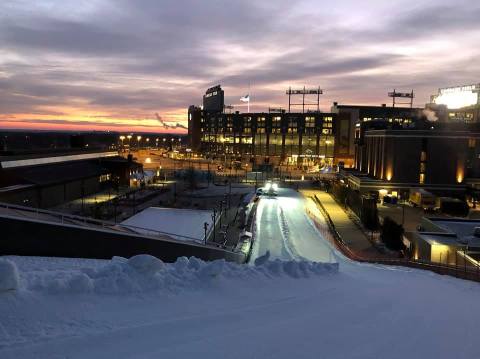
[(440, 157), (292, 138), (275, 138)]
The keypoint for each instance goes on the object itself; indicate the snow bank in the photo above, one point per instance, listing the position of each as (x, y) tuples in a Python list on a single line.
[(143, 273), (8, 275)]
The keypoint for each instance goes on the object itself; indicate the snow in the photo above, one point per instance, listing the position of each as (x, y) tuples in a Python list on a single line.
[(276, 309), (8, 275), (283, 228), (182, 224), (280, 306)]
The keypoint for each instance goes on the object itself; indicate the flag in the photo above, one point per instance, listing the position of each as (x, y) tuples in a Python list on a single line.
[(245, 98)]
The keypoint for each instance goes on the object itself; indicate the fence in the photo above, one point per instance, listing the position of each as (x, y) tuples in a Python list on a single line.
[(463, 272)]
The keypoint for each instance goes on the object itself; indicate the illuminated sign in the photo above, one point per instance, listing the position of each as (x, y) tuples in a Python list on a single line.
[(458, 97)]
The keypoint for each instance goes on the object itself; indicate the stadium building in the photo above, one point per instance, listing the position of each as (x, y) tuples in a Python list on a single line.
[(307, 138), (457, 104)]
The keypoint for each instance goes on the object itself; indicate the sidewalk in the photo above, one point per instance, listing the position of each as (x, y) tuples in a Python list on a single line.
[(352, 236)]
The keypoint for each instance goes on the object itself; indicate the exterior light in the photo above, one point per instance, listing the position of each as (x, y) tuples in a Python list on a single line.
[(139, 138), (122, 138), (129, 137), (459, 176)]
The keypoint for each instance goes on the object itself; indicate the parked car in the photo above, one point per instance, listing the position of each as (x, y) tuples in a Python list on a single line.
[(390, 199), (452, 206)]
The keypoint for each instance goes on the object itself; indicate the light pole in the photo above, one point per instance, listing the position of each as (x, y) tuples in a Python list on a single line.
[(148, 141), (139, 138), (121, 139), (129, 137), (214, 218), (327, 142)]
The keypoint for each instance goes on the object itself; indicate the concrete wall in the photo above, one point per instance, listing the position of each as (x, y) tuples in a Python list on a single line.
[(36, 238)]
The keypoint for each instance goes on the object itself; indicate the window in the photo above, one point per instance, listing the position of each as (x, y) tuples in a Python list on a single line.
[(471, 143), (423, 156), (309, 122), (104, 178)]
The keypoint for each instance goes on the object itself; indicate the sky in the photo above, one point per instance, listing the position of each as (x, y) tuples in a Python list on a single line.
[(135, 65)]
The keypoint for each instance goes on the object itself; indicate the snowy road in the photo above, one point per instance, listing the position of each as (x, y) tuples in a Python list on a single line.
[(284, 229)]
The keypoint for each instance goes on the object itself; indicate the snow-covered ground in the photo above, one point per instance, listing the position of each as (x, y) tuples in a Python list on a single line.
[(284, 230), (180, 223), (143, 308)]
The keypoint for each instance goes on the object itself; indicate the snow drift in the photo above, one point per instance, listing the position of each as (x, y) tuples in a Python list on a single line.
[(143, 273)]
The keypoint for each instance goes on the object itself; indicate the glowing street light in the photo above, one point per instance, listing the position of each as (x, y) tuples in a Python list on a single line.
[(327, 142)]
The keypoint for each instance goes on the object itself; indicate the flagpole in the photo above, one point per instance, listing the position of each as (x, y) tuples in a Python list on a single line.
[(249, 95)]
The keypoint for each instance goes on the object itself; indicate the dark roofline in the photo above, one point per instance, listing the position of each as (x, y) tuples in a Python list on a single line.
[(52, 153), (379, 107)]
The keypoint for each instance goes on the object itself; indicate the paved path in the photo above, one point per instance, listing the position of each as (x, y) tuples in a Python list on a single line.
[(350, 233)]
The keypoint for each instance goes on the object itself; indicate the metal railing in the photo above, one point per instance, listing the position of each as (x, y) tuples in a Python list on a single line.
[(72, 219), (464, 272)]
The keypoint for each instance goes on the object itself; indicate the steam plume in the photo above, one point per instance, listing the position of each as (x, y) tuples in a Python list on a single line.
[(167, 126)]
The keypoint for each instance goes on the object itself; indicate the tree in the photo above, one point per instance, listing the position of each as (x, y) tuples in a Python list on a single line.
[(392, 234)]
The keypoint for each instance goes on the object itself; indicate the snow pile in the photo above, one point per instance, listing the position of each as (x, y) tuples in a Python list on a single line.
[(143, 273), (8, 275)]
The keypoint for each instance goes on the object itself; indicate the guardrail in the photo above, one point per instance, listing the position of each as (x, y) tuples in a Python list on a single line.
[(444, 269)]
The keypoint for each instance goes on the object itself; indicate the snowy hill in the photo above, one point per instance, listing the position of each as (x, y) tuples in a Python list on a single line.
[(143, 308)]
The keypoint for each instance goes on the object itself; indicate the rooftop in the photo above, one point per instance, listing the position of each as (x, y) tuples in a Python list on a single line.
[(453, 231)]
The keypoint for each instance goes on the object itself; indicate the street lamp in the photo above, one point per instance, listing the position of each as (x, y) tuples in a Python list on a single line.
[(138, 141), (327, 142), (121, 139)]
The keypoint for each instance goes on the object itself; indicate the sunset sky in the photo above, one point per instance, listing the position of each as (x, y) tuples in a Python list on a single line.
[(114, 64)]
